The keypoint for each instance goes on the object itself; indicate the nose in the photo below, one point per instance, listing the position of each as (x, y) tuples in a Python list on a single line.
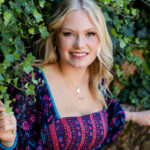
[(79, 42)]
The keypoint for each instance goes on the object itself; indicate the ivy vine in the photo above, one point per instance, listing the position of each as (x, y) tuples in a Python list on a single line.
[(24, 21)]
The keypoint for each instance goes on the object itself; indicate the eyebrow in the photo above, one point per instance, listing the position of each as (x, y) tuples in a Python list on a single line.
[(74, 30)]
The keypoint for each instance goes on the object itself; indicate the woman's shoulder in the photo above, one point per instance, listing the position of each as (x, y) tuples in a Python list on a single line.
[(50, 68)]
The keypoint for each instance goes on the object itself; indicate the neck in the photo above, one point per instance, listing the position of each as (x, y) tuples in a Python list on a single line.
[(75, 75)]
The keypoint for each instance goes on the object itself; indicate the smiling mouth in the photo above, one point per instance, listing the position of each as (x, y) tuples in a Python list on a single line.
[(78, 55)]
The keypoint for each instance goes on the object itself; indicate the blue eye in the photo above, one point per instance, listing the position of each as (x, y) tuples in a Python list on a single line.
[(90, 34), (68, 34)]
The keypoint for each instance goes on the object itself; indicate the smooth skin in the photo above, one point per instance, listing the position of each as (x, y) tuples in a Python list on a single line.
[(77, 42)]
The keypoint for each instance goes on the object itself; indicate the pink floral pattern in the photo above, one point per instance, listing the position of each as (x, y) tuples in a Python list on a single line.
[(39, 128)]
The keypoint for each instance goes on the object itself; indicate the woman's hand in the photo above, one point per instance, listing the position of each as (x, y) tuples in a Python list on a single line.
[(7, 127)]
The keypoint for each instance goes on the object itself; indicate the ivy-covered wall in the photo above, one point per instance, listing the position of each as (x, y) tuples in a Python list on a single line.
[(22, 22)]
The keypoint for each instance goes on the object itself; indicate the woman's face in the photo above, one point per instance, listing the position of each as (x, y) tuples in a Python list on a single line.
[(77, 40)]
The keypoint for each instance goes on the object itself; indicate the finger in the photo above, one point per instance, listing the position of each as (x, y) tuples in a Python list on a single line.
[(4, 122), (2, 109), (5, 119), (7, 128), (13, 119), (4, 115)]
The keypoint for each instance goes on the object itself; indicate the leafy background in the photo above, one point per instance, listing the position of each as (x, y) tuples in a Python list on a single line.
[(22, 22)]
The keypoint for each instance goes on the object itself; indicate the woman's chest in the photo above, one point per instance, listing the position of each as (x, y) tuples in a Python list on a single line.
[(68, 104), (85, 132)]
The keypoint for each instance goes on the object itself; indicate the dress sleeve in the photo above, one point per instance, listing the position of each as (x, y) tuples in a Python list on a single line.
[(116, 120), (27, 113)]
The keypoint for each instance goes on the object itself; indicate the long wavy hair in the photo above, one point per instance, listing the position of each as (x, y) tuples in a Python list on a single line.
[(100, 76)]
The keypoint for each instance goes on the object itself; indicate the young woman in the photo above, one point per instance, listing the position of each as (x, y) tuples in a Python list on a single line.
[(72, 110)]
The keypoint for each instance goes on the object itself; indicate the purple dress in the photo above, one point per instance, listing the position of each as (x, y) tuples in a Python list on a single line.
[(40, 127)]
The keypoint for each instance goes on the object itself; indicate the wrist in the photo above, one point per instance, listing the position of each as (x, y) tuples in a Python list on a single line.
[(9, 143), (132, 117), (9, 147)]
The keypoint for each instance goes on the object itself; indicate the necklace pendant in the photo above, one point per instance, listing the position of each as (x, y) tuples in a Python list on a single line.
[(78, 90)]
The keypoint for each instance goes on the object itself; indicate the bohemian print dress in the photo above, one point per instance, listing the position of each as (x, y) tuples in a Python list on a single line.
[(39, 126)]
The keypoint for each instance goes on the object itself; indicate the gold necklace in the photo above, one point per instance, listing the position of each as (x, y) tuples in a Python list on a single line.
[(77, 90)]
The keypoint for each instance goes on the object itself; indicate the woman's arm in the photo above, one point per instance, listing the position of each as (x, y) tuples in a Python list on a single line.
[(141, 118)]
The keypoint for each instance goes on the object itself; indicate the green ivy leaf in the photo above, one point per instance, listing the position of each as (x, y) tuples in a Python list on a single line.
[(1, 77), (133, 11), (7, 17), (33, 79), (42, 2), (3, 89), (30, 57), (146, 68), (127, 11), (30, 90), (16, 56), (10, 58), (137, 41), (122, 44), (116, 66), (120, 3), (37, 15), (138, 61), (114, 33), (27, 63), (131, 58), (115, 88), (19, 45), (7, 107), (15, 81), (15, 7), (31, 30), (27, 68), (108, 19), (6, 64), (119, 72), (43, 31), (2, 70), (2, 1)]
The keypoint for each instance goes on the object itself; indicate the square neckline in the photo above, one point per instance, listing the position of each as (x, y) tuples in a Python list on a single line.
[(55, 108)]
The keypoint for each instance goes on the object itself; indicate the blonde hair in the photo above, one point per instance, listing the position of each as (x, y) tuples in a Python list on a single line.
[(100, 68)]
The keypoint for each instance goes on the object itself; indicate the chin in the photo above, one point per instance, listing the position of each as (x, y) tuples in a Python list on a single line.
[(80, 65)]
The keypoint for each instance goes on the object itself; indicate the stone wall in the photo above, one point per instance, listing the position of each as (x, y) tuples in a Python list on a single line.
[(133, 137)]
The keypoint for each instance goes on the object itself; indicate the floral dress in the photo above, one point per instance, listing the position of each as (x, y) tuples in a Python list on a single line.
[(40, 127)]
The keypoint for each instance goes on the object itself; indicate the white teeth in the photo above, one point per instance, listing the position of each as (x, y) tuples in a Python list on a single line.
[(79, 54)]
